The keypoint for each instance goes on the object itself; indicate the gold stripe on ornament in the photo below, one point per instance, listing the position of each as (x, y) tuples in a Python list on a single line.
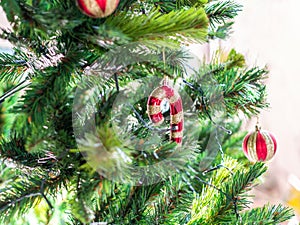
[(177, 134), (174, 98), (111, 6), (251, 146), (153, 109), (175, 119), (159, 93), (95, 9), (269, 144)]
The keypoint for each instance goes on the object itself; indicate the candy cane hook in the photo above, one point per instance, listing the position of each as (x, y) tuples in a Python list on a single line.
[(176, 110)]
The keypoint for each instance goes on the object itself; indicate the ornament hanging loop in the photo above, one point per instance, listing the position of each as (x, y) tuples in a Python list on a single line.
[(257, 126), (166, 81)]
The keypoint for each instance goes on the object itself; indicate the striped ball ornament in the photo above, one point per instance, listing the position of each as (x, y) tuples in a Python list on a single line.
[(259, 145), (97, 8)]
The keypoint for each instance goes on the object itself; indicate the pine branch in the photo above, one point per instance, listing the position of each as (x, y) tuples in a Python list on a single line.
[(267, 215), (167, 6), (219, 12), (190, 23), (15, 150), (31, 184), (12, 9), (244, 91), (6, 118), (220, 204), (20, 194), (11, 67), (82, 204), (221, 32), (238, 89)]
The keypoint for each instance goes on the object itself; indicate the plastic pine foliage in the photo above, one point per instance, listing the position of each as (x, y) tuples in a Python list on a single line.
[(119, 172)]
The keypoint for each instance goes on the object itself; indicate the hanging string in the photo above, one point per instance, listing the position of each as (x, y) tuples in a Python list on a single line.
[(257, 126), (166, 78)]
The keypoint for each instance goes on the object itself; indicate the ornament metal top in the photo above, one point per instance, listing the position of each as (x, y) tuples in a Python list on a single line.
[(97, 8), (259, 145)]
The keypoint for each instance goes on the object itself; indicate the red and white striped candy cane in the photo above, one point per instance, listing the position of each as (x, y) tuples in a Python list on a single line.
[(176, 110)]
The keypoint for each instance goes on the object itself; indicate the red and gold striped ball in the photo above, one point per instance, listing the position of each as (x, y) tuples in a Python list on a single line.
[(97, 8), (259, 145)]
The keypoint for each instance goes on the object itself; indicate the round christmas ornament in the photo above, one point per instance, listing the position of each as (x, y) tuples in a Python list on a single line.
[(97, 8), (176, 111), (259, 145)]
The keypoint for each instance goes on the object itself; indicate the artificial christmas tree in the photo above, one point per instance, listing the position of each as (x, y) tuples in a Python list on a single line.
[(77, 144)]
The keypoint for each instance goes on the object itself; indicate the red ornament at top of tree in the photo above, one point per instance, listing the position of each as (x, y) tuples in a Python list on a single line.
[(259, 145), (97, 8)]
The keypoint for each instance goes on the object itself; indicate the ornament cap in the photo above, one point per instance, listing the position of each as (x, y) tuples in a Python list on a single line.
[(257, 128)]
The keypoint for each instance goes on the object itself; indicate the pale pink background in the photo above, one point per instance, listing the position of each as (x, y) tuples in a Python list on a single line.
[(268, 32)]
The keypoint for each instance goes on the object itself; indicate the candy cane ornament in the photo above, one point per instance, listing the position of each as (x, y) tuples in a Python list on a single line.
[(176, 110)]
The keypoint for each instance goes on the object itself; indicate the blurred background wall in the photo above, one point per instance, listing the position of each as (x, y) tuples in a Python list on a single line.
[(268, 33)]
